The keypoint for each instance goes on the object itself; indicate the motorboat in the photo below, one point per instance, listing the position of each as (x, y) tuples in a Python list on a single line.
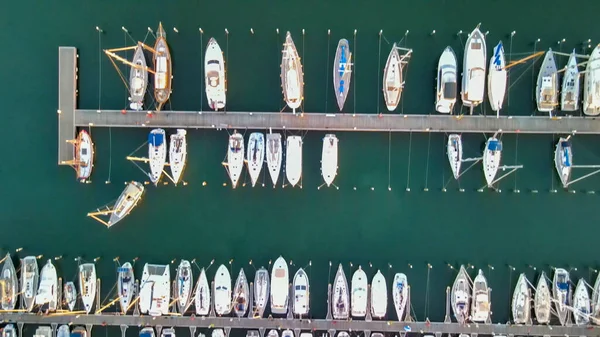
[(546, 92), (379, 296), (29, 281), (274, 156), (10, 331), (138, 79), (446, 81), (167, 332), (491, 159), (329, 158), (127, 201), (301, 288), (47, 293), (591, 86), (255, 156), (292, 77), (202, 295), (542, 301), (70, 295), (261, 291), (235, 157), (87, 285), (581, 304), (177, 154), (125, 286), (10, 284), (340, 302), (359, 294), (480, 310), (273, 333), (157, 154), (561, 294), (63, 331), (214, 75), (497, 78), (241, 294), (400, 294), (393, 79), (279, 287), (147, 332), (596, 298), (287, 333), (569, 96), (155, 290), (473, 79), (183, 286), (222, 291), (563, 160), (521, 301), (293, 159), (83, 155), (454, 150), (460, 296), (163, 68), (342, 72)]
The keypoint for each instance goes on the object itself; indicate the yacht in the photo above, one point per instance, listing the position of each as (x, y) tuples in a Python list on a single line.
[(147, 332), (222, 292), (342, 72), (10, 284), (379, 298), (329, 159), (255, 156), (273, 333), (47, 294), (29, 281), (491, 159), (292, 77), (591, 86), (497, 78), (561, 293), (339, 296), (138, 79), (274, 156), (563, 160), (167, 332), (393, 81), (542, 301), (163, 71), (546, 92), (157, 154), (261, 291), (460, 296), (581, 304), (87, 285), (359, 295), (569, 96), (279, 287), (241, 293), (287, 333), (446, 82), (454, 151), (183, 286), (235, 157), (63, 331), (596, 299), (301, 293), (400, 294), (177, 154), (10, 331), (70, 295), (202, 295), (127, 201), (480, 310), (214, 75), (155, 290), (293, 159), (125, 286), (473, 79), (521, 301), (83, 155)]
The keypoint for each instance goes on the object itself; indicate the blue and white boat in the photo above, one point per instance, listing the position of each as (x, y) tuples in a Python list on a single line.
[(255, 156), (497, 78), (183, 286), (125, 286), (581, 303), (561, 292), (235, 157), (563, 160), (400, 294), (454, 151), (157, 154), (491, 159), (342, 72)]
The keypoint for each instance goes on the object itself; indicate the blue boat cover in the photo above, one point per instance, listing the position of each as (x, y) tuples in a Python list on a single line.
[(567, 162), (122, 270), (156, 139), (75, 334), (497, 54), (342, 86), (145, 334), (563, 285), (495, 145)]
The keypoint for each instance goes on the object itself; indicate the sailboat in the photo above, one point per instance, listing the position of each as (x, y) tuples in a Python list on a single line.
[(293, 159), (473, 80), (561, 293), (157, 154), (591, 86), (446, 81), (342, 72), (83, 155), (542, 301), (183, 286), (393, 80), (491, 159), (47, 294), (274, 156), (177, 154), (70, 295), (497, 78), (218, 333), (167, 332), (147, 332), (454, 151), (460, 296), (214, 75), (279, 287), (87, 285), (29, 281), (301, 293), (10, 284), (255, 156), (138, 74), (222, 291), (241, 292), (155, 290), (125, 203), (480, 311), (235, 157), (400, 294), (202, 295), (379, 301), (581, 303), (261, 291), (359, 293), (63, 331), (125, 286), (569, 96), (292, 77), (329, 158), (596, 298), (546, 93), (9, 331), (521, 301), (163, 68), (340, 303), (563, 160)]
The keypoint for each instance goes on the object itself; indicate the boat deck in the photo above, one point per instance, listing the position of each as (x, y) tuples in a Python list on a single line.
[(67, 101)]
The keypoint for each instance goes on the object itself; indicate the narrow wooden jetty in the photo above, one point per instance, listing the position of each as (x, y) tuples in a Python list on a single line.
[(67, 101)]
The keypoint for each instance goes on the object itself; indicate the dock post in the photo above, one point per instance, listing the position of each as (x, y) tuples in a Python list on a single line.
[(331, 332), (136, 296), (59, 294), (212, 300), (54, 326), (192, 331), (290, 314), (297, 332), (20, 327), (123, 329), (329, 317), (408, 306), (368, 317), (261, 331), (251, 301), (158, 330), (98, 286), (367, 333), (88, 328)]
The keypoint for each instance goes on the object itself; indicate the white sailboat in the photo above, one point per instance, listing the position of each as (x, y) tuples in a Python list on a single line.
[(497, 78), (261, 291), (183, 286), (87, 285), (126, 203), (178, 154), (47, 294), (70, 295), (222, 291), (460, 296), (273, 333), (591, 86), (340, 302), (581, 304), (329, 159), (546, 92), (454, 151), (292, 77), (167, 332), (10, 284), (569, 96), (561, 293), (279, 287), (255, 156), (274, 155), (521, 301), (214, 75), (125, 286), (473, 80), (393, 79), (491, 159), (301, 288), (542, 301), (63, 331), (596, 298), (29, 281), (157, 154), (202, 295), (563, 160), (293, 159), (400, 294), (359, 293), (446, 81), (241, 292), (379, 298), (287, 333), (218, 333), (155, 290), (235, 157), (480, 311)]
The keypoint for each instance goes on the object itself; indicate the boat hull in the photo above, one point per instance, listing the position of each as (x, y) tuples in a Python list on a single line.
[(235, 158), (400, 294), (359, 293), (460, 296), (157, 154), (581, 304), (446, 81), (473, 80), (569, 96), (29, 281), (546, 92), (393, 81), (138, 79), (301, 289), (70, 295), (202, 295), (279, 287), (480, 311), (379, 298), (561, 293), (274, 156), (241, 293), (183, 286), (84, 155), (222, 291), (47, 295), (87, 285), (293, 159), (542, 301), (261, 291), (591, 87), (491, 159), (497, 78), (292, 77), (125, 286), (127, 201), (155, 290), (10, 284), (521, 302), (563, 160), (340, 302), (178, 154), (342, 72), (255, 156), (454, 152), (329, 159), (162, 68), (214, 76)]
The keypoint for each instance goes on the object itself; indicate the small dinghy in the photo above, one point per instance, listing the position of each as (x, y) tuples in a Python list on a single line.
[(301, 293), (521, 301), (340, 302), (202, 295), (125, 286), (359, 295), (329, 159), (480, 311), (280, 280), (127, 201), (491, 159), (446, 82), (162, 68), (460, 296), (47, 294), (241, 292), (591, 86), (138, 79), (183, 286), (292, 77), (563, 160), (293, 159), (255, 156), (393, 80), (542, 301), (473, 79), (581, 304), (274, 156), (561, 293), (10, 284), (177, 154), (29, 281), (261, 292), (214, 75), (454, 151), (70, 295), (569, 96), (400, 294), (596, 298), (235, 157), (87, 285), (63, 331), (342, 72), (222, 291), (157, 154), (497, 78), (546, 92), (379, 298)]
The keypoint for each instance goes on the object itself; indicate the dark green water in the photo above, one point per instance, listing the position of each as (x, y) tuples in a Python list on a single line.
[(44, 207)]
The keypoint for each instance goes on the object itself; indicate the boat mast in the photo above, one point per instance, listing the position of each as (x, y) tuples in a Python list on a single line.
[(514, 63), (111, 54), (96, 215)]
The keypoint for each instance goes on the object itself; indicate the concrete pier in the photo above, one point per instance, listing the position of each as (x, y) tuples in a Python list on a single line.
[(67, 101)]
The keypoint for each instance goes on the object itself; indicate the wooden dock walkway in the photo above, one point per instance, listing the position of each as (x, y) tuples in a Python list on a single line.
[(67, 101)]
